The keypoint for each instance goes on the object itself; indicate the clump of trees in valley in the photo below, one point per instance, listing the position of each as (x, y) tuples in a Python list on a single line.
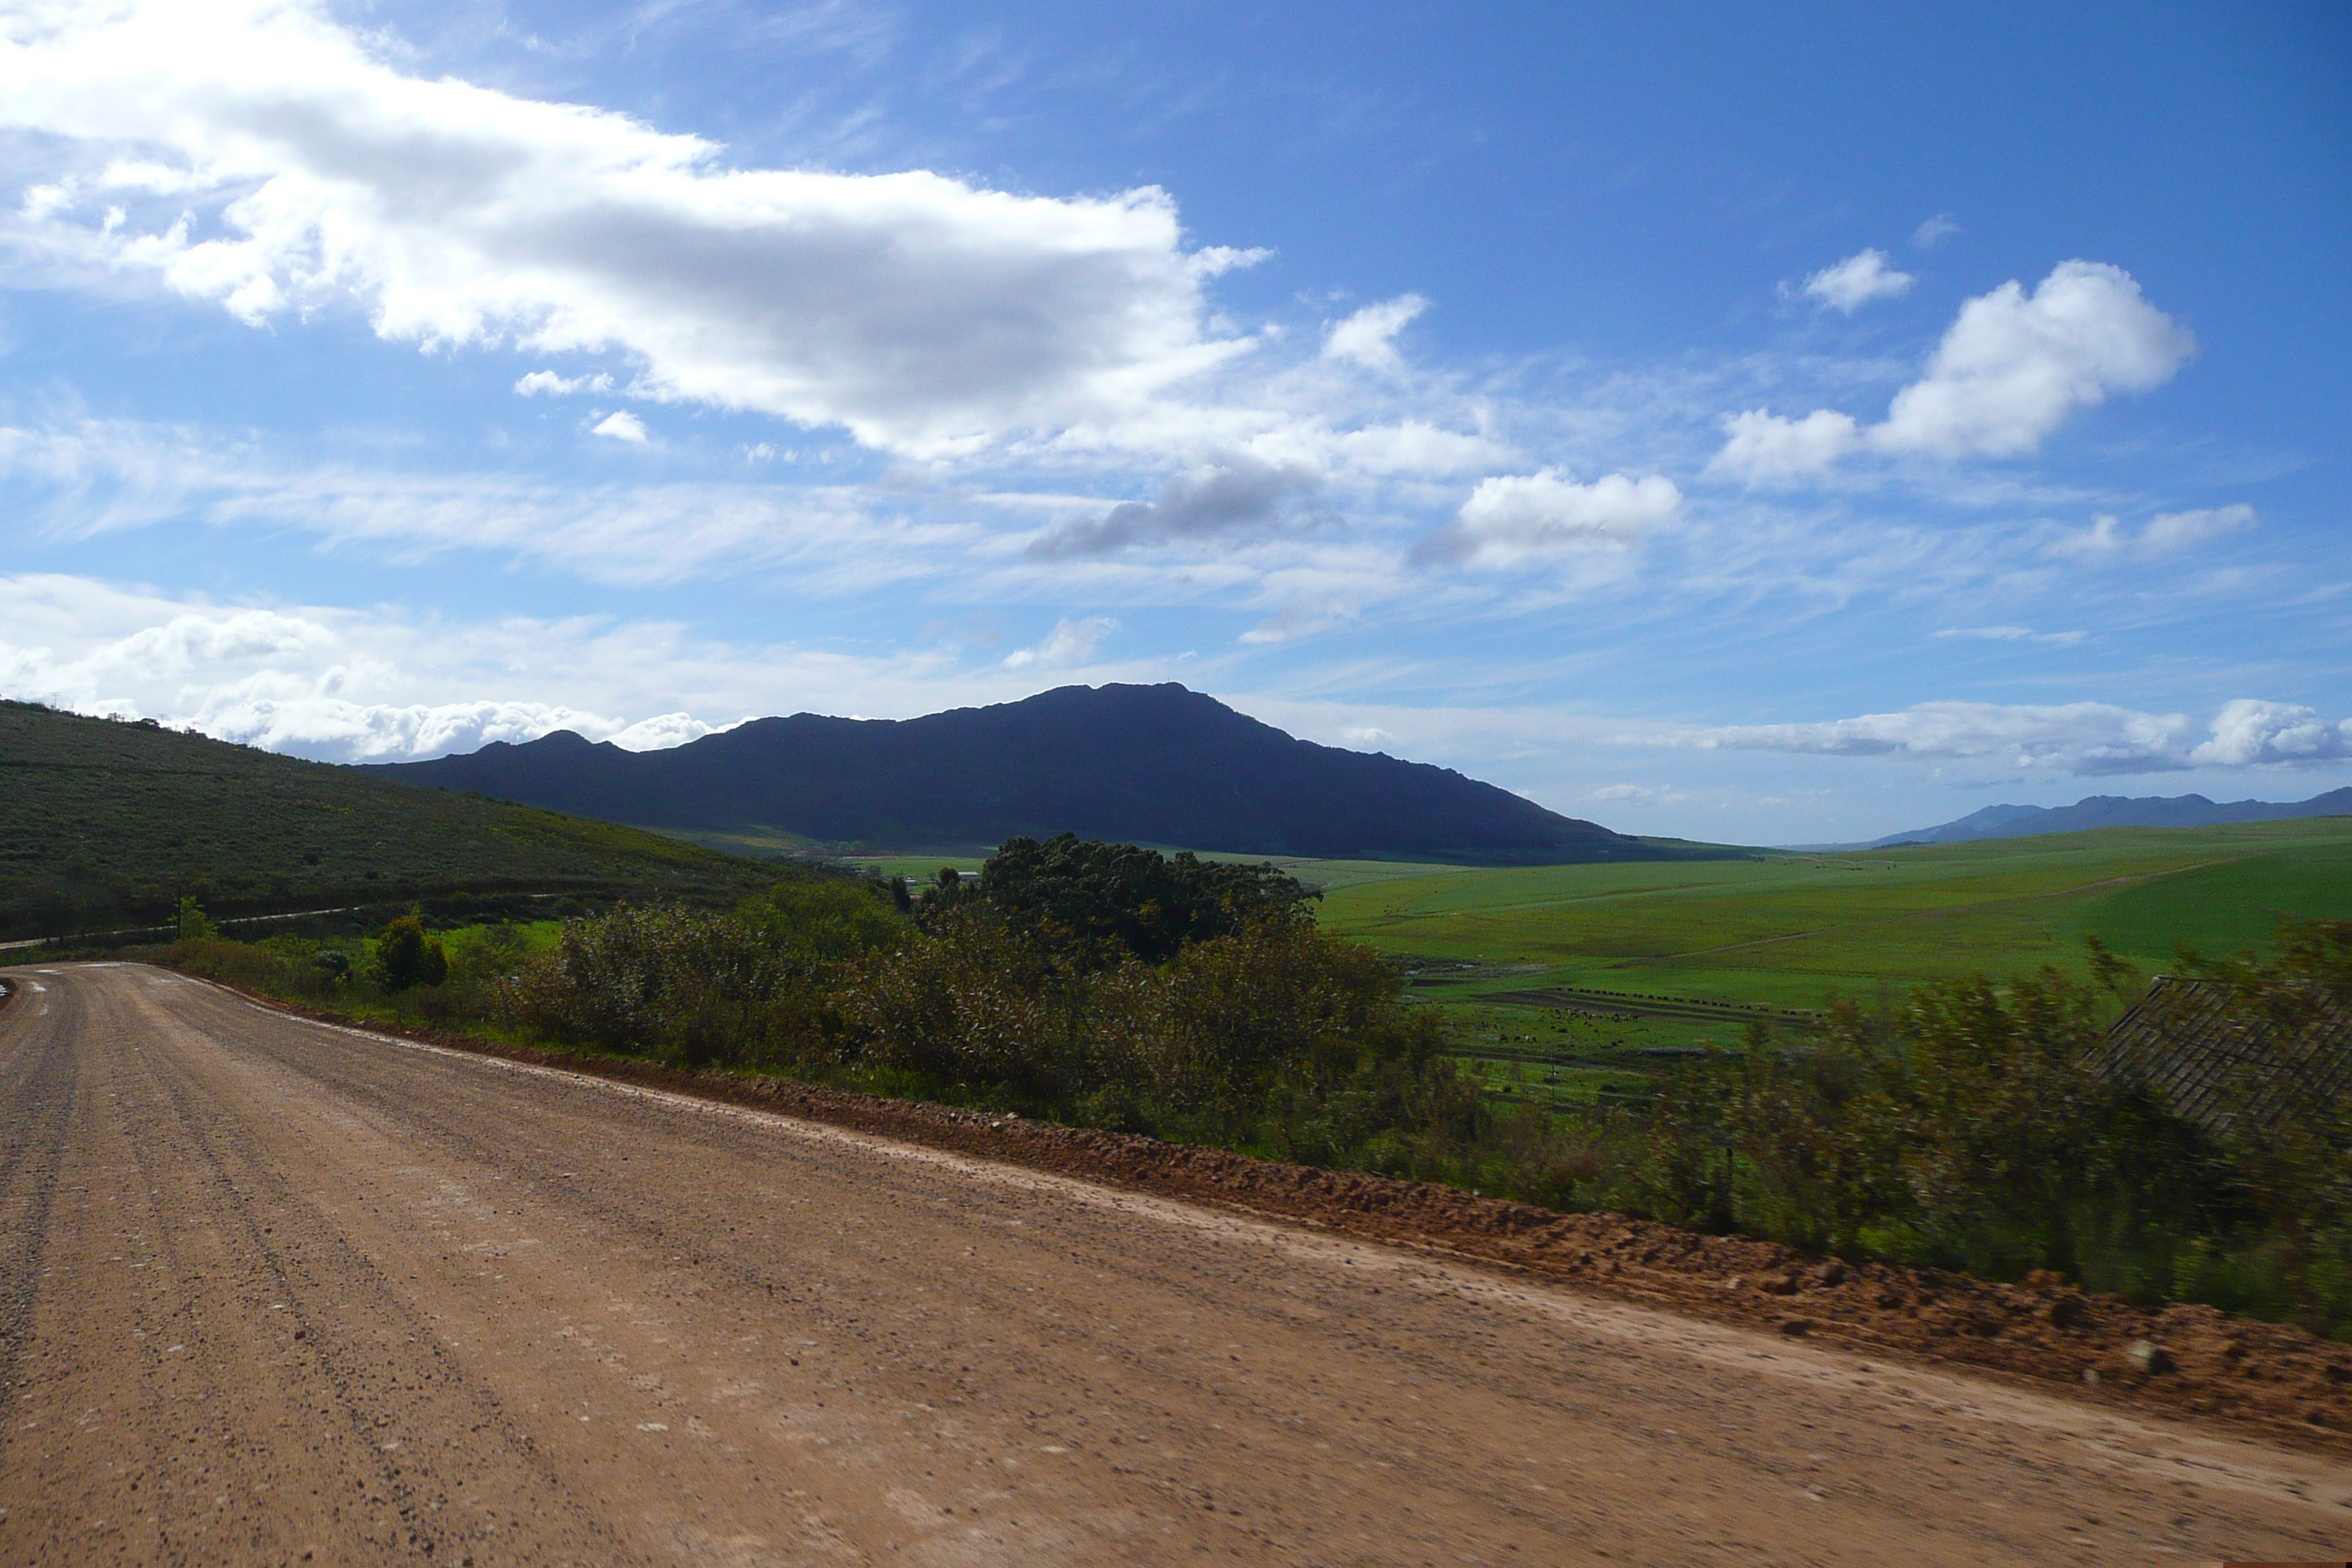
[(1967, 1126), (1093, 982)]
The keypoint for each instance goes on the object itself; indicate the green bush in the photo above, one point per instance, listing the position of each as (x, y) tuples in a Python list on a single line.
[(406, 955), (194, 924), (1966, 1130)]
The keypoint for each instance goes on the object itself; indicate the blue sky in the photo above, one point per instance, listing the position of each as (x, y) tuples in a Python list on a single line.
[(1757, 425)]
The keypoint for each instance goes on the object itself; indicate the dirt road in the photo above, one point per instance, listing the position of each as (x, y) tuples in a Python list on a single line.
[(275, 1292)]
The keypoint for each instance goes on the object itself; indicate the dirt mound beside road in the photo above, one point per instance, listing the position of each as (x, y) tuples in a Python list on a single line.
[(2191, 1360)]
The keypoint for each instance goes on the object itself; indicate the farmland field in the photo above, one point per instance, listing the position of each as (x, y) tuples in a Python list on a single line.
[(1783, 932), (1784, 929)]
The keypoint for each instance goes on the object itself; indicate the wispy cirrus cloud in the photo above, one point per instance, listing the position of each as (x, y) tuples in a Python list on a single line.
[(90, 478), (2011, 634), (1934, 231), (2166, 533)]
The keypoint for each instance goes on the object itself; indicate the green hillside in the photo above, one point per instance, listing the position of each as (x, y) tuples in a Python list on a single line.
[(1784, 929), (106, 824)]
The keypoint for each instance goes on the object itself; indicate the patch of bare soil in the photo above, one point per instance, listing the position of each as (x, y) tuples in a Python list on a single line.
[(2193, 1360)]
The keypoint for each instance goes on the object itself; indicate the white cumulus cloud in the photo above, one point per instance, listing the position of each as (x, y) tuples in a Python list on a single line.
[(621, 425), (2016, 365), (662, 731), (1369, 337), (546, 383), (1857, 280), (305, 169), (2248, 732), (2011, 369), (1515, 518), (332, 684), (1762, 448), (1070, 642)]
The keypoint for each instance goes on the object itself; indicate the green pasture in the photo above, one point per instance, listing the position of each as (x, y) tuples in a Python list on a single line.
[(1786, 930)]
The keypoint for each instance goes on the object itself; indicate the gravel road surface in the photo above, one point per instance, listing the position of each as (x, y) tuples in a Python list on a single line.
[(273, 1291)]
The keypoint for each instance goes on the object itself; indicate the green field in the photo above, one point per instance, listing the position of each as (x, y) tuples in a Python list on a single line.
[(1784, 930), (1777, 933)]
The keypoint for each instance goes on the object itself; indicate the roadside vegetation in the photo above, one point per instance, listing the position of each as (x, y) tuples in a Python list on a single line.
[(1956, 1125)]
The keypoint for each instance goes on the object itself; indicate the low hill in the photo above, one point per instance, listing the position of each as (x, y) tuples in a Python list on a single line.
[(1149, 764), (107, 824), (2115, 811)]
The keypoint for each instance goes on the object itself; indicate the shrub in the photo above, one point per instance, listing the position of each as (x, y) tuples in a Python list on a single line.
[(405, 955), (193, 923)]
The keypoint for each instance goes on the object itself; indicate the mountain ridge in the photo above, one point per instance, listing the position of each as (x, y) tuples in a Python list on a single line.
[(2097, 811), (1157, 765), (106, 824)]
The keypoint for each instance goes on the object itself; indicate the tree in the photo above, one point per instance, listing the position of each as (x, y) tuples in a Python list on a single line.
[(1106, 901), (195, 925), (406, 956)]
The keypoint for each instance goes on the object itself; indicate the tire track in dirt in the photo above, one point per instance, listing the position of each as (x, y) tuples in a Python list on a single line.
[(532, 1318), (238, 1186), (36, 1083)]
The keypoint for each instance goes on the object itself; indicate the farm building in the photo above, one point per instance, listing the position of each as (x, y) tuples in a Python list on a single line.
[(2209, 1060)]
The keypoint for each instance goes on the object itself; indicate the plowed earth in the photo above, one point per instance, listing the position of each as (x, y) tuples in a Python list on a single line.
[(273, 1291)]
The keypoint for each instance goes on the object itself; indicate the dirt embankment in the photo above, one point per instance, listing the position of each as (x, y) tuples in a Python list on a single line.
[(2194, 1360)]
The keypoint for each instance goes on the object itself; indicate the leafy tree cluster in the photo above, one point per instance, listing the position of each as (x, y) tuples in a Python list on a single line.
[(1102, 902)]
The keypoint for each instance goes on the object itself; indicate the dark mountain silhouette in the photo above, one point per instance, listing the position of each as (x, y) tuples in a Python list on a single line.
[(1153, 764), (2115, 810)]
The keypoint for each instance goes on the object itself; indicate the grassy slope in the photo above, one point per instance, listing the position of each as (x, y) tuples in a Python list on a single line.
[(111, 822), (1784, 930)]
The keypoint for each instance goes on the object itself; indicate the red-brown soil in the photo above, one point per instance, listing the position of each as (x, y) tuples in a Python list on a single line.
[(2280, 1379), (281, 1291)]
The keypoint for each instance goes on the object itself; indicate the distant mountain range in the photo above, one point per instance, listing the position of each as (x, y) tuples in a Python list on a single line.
[(1151, 764), (2114, 811)]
